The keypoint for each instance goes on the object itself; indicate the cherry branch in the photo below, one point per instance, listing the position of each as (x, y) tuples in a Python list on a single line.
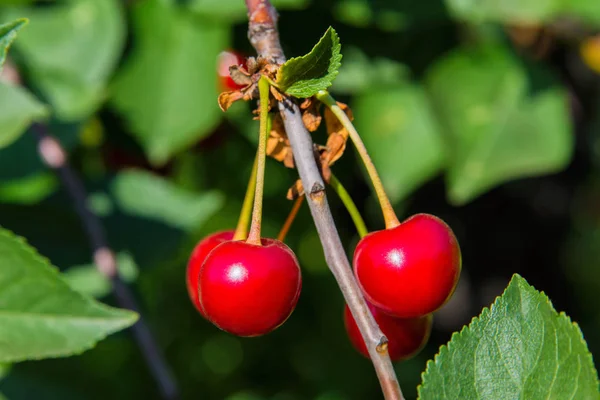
[(55, 157), (264, 36)]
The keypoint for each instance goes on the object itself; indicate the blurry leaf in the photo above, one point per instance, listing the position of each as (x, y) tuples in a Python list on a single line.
[(29, 190), (146, 195), (232, 11), (88, 280), (167, 90), (8, 33), (70, 50), (514, 11), (402, 136), (305, 76), (354, 12), (523, 12), (359, 73), (499, 126), (19, 109), (40, 316), (390, 16), (100, 203), (519, 348)]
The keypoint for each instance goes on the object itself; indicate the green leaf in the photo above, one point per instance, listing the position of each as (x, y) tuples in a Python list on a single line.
[(71, 49), (402, 136), (305, 76), (19, 109), (519, 348), (359, 73), (40, 316), (508, 10), (88, 280), (8, 33), (143, 194), (167, 91), (523, 12), (231, 11), (30, 189), (500, 125)]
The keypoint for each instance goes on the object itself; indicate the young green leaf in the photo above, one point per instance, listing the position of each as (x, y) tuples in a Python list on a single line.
[(519, 348), (8, 33), (167, 91), (71, 50), (500, 124), (146, 195), (403, 137), (305, 76), (40, 315), (19, 109)]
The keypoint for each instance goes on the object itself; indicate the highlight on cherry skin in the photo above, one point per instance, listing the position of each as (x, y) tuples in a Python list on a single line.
[(249, 290), (225, 60), (406, 336), (197, 258), (410, 270)]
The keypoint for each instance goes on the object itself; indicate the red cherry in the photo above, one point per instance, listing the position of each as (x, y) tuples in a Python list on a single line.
[(225, 60), (249, 290), (197, 258), (406, 336), (410, 270)]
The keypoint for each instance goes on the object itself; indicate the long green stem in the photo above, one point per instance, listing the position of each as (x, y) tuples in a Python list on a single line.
[(241, 230), (391, 220), (254, 236), (343, 194)]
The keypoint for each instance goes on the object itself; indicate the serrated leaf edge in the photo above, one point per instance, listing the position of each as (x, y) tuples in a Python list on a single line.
[(128, 317), (337, 58), (519, 280)]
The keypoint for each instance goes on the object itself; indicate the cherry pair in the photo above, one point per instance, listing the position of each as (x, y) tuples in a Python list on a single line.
[(242, 288), (406, 273)]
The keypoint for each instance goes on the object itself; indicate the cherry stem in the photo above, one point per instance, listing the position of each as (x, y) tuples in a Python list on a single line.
[(290, 219), (264, 37), (343, 194), (261, 155), (241, 230), (391, 220)]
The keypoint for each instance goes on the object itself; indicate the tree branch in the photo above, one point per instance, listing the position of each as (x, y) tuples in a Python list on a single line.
[(264, 36), (54, 156)]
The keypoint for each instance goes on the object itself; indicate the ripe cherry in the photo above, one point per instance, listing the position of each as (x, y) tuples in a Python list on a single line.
[(406, 336), (225, 60), (249, 290), (409, 270), (197, 258)]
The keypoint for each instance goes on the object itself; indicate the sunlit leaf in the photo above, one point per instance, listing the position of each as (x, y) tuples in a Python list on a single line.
[(519, 348)]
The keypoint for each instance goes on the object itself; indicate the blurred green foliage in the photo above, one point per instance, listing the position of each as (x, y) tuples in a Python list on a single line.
[(438, 89)]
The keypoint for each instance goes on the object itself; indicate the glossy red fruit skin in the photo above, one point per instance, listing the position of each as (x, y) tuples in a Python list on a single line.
[(197, 258), (224, 61), (410, 270), (406, 336), (250, 290)]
